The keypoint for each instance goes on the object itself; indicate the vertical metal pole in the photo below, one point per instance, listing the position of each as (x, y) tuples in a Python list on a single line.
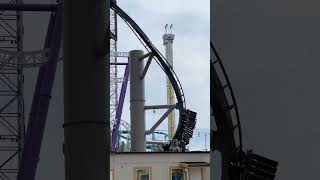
[(205, 141), (86, 92), (20, 80), (137, 102)]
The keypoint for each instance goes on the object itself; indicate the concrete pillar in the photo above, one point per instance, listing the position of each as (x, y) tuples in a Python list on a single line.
[(86, 89), (137, 102)]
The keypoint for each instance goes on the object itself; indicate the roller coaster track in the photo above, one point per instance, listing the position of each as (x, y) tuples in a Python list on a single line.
[(227, 139), (42, 95), (223, 107), (187, 118), (156, 53), (224, 139)]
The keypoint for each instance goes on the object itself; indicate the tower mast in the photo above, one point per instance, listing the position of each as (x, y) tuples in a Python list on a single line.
[(114, 80), (168, 38), (12, 122)]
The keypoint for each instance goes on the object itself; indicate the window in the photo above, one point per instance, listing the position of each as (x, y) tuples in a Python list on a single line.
[(178, 174), (142, 174)]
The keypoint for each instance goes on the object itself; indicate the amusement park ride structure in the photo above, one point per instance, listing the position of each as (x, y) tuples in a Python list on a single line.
[(226, 135), (88, 120), (26, 145), (12, 118), (168, 38)]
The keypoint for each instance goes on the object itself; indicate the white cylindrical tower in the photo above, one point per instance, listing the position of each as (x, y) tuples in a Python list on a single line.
[(137, 102), (167, 42)]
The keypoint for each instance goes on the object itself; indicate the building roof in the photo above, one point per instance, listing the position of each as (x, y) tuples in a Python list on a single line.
[(195, 164), (163, 152)]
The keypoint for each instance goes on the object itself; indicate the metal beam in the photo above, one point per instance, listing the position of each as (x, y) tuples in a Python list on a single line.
[(37, 58), (119, 64), (119, 54), (113, 36), (28, 7), (145, 55), (156, 142), (159, 107), (165, 115), (23, 59), (144, 72)]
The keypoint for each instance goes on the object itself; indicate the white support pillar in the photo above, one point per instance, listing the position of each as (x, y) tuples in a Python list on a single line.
[(137, 101)]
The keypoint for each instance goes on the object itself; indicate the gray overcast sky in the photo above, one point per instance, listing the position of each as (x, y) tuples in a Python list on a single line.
[(271, 51), (191, 26)]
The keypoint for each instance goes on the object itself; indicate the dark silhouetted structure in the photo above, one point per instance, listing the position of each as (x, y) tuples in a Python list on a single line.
[(236, 164)]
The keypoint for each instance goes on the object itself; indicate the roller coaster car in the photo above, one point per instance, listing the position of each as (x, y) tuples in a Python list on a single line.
[(236, 164), (259, 167), (184, 131)]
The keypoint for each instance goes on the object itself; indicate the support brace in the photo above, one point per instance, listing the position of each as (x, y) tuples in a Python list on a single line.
[(144, 72), (165, 115), (146, 55), (160, 107)]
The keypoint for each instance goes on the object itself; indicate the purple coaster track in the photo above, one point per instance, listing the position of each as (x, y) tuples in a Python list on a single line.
[(115, 129), (41, 100)]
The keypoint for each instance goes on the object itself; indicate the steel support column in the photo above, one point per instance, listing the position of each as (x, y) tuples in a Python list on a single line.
[(137, 102), (86, 92)]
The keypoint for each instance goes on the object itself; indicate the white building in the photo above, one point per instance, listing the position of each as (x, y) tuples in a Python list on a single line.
[(160, 166)]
